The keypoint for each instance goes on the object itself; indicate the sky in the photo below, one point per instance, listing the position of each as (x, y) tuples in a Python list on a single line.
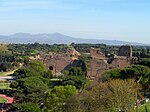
[(127, 20)]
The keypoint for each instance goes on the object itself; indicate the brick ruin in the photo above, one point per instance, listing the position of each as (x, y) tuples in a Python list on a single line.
[(125, 50), (57, 62), (99, 63)]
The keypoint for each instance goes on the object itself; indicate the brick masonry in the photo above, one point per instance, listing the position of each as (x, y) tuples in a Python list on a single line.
[(58, 62)]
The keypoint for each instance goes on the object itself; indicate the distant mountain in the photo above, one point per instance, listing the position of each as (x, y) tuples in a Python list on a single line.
[(57, 38)]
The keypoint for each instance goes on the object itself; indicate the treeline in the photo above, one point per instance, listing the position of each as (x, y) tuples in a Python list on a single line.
[(33, 49), (85, 48), (36, 48)]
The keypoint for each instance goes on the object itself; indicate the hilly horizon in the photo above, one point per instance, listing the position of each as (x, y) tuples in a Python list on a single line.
[(57, 38)]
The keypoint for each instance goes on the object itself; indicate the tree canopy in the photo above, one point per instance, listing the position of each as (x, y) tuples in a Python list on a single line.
[(140, 73), (112, 96)]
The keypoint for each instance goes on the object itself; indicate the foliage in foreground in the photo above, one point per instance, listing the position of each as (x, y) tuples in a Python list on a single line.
[(26, 107), (144, 107), (112, 96), (33, 87), (140, 73)]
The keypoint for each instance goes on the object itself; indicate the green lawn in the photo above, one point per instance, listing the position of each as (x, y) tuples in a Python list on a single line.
[(142, 107), (9, 72), (2, 100), (6, 73), (4, 85)]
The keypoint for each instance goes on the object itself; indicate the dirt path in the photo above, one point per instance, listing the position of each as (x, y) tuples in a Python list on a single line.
[(5, 78)]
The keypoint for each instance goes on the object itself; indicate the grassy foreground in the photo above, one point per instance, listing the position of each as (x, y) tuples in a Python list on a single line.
[(4, 85), (3, 100)]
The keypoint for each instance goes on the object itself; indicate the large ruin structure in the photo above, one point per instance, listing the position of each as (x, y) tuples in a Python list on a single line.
[(98, 63), (125, 50), (57, 62)]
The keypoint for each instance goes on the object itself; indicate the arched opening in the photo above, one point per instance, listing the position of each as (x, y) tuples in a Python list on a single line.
[(51, 68)]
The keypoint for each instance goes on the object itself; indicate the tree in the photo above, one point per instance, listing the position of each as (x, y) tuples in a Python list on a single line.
[(76, 71), (25, 107), (140, 73), (48, 74), (33, 68), (112, 96), (37, 67), (64, 91), (56, 98), (32, 88), (145, 61), (77, 81)]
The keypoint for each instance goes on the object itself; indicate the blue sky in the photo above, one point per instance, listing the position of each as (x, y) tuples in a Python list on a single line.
[(127, 20)]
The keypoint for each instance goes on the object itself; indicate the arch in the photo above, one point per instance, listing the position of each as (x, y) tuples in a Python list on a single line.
[(51, 68)]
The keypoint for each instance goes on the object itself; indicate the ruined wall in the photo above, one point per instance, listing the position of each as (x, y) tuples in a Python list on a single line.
[(95, 53), (96, 67), (123, 62), (125, 50), (56, 62), (97, 64)]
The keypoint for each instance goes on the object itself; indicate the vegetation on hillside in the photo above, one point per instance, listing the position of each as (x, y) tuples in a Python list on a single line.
[(37, 90)]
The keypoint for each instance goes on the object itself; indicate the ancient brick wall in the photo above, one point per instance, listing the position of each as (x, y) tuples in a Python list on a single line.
[(56, 63), (95, 53), (96, 67), (97, 64), (125, 50), (121, 62)]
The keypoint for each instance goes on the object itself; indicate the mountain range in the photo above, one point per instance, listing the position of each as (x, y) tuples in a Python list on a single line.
[(57, 38)]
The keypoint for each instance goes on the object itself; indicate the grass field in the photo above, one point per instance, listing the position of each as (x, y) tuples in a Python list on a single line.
[(4, 85), (142, 107), (2, 100), (6, 73), (9, 72)]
